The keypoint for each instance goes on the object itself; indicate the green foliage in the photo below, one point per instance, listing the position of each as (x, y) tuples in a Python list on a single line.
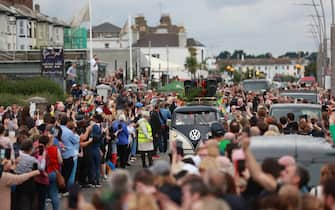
[(284, 78), (237, 77), (191, 61), (30, 87), (193, 93), (310, 69), (18, 91), (224, 55)]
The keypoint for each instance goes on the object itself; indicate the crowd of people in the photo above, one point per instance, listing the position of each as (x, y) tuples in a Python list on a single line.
[(80, 142)]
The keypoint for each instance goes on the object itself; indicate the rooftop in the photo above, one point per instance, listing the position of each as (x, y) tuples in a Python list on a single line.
[(106, 28)]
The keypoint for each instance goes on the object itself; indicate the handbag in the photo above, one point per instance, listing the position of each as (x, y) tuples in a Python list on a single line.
[(60, 180)]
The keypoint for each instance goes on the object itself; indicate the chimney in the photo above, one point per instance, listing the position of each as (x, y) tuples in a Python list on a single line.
[(37, 8)]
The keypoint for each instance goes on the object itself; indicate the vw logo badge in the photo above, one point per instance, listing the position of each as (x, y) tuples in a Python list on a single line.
[(194, 135)]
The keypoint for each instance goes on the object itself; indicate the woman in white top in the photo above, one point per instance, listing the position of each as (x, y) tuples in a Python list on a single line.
[(327, 171)]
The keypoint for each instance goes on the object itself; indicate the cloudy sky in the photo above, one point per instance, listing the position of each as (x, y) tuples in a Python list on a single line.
[(257, 26)]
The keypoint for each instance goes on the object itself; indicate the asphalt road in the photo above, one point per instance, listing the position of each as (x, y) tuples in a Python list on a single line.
[(89, 192)]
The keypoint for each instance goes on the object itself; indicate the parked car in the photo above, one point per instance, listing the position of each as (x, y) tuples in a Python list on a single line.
[(192, 124), (310, 96), (310, 152), (309, 110)]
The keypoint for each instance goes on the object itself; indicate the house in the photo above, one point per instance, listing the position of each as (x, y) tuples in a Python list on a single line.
[(166, 47), (26, 23), (157, 50), (7, 29), (106, 36), (25, 28), (269, 66)]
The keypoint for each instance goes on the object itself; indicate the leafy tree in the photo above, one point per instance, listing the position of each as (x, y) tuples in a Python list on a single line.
[(237, 77), (191, 61), (224, 55), (310, 69), (238, 54)]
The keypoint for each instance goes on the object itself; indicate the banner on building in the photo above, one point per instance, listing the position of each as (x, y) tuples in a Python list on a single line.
[(52, 60)]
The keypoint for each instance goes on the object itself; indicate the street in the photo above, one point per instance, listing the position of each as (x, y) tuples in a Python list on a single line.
[(89, 192)]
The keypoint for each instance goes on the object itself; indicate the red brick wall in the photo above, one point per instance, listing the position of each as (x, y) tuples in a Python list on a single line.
[(28, 3)]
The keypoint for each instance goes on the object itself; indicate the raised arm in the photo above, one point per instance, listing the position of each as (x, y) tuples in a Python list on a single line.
[(14, 179), (267, 181)]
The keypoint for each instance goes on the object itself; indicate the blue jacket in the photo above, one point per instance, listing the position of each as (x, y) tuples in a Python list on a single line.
[(96, 134), (122, 138), (166, 114)]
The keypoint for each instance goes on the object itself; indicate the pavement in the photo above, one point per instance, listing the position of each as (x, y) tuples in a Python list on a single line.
[(89, 192)]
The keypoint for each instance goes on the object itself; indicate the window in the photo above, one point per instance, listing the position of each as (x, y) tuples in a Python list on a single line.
[(40, 32), (106, 45), (57, 34), (21, 27), (155, 55), (9, 46), (22, 47)]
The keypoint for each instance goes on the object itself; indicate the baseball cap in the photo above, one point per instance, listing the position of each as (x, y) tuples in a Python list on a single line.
[(217, 129)]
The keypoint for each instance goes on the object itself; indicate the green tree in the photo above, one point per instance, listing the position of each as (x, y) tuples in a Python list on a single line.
[(191, 61), (224, 55), (237, 77), (310, 69)]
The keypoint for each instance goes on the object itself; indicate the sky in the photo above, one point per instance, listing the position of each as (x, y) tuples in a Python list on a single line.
[(256, 26)]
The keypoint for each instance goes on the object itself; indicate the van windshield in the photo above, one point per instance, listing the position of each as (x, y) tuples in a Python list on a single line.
[(195, 118), (255, 85)]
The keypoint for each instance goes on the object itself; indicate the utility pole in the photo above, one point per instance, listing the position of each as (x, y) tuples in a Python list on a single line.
[(332, 44), (130, 33), (321, 33), (167, 64), (325, 46)]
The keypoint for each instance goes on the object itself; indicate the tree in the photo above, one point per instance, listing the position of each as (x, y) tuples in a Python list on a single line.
[(238, 54), (224, 55), (310, 69), (191, 61)]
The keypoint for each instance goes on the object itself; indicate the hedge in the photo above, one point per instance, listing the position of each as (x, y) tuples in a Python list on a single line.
[(18, 91), (30, 87)]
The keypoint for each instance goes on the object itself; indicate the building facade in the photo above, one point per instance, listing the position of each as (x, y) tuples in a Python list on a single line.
[(270, 67), (24, 28), (7, 29), (162, 48)]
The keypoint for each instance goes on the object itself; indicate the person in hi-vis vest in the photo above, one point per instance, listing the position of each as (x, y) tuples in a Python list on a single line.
[(145, 140)]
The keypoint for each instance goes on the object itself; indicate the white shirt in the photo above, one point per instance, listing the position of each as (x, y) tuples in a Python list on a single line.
[(71, 73), (94, 66)]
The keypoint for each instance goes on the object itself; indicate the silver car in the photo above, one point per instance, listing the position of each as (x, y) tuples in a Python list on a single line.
[(310, 152)]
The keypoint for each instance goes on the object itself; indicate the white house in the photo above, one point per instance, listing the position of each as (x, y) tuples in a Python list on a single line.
[(23, 28), (7, 29), (269, 66), (26, 23)]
